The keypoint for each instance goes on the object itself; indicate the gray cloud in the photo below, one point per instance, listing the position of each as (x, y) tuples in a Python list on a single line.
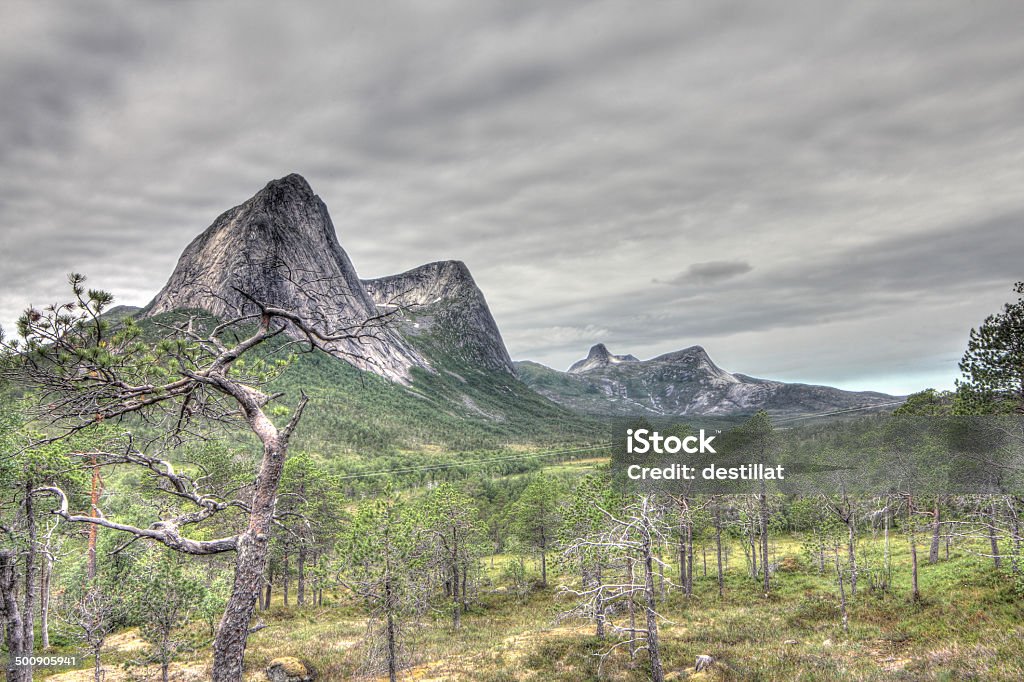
[(710, 272), (864, 157)]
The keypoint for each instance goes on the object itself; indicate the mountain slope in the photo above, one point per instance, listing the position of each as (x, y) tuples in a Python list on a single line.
[(442, 301), (682, 383)]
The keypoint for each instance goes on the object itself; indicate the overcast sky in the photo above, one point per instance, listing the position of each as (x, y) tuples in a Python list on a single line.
[(831, 194)]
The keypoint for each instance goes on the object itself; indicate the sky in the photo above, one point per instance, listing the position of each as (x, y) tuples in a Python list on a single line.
[(825, 192)]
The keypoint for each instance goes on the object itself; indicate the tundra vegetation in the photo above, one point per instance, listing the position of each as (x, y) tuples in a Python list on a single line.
[(168, 513)]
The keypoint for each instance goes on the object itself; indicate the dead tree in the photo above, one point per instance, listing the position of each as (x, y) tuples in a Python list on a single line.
[(88, 373), (628, 539)]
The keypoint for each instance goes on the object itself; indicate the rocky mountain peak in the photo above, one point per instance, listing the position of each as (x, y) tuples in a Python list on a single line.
[(280, 247), (599, 357), (442, 300)]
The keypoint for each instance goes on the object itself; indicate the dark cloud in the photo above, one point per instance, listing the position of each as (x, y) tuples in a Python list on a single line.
[(710, 272), (861, 160)]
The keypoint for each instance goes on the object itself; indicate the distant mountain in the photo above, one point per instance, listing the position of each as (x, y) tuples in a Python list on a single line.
[(683, 383), (598, 358)]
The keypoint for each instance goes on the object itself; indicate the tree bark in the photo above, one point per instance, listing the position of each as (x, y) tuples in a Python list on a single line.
[(287, 578), (765, 565), (915, 592), (44, 600), (251, 558), (653, 648), (11, 613), (599, 615), (842, 593), (718, 550), (300, 592), (993, 539), (28, 610), (851, 549), (933, 551), (630, 578)]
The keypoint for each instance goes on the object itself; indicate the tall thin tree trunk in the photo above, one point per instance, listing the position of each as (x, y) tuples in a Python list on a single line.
[(28, 611), (389, 605), (718, 550), (270, 588), (287, 574), (252, 550), (44, 599), (682, 557), (456, 608), (886, 557), (842, 593), (851, 549), (93, 528), (12, 618), (631, 604), (653, 648), (993, 539), (543, 559), (915, 592), (933, 551), (689, 563), (300, 592), (765, 565)]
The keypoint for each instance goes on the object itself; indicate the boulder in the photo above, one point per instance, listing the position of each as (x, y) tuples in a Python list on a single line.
[(289, 669)]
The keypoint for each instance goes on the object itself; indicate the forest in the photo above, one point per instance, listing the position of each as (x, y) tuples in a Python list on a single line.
[(191, 499)]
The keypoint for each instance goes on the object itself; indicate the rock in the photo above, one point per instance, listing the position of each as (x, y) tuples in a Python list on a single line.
[(703, 663), (289, 669), (597, 358), (790, 642), (442, 299), (281, 248)]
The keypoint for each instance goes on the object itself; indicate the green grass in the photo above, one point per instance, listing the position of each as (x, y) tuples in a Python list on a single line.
[(969, 624)]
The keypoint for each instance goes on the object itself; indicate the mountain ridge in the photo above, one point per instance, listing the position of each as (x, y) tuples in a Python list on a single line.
[(683, 383)]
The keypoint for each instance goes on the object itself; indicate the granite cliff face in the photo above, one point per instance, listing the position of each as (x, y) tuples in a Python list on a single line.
[(280, 247), (682, 383), (441, 301)]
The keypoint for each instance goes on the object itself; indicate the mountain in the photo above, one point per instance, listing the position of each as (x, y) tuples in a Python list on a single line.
[(682, 383), (441, 302), (280, 247), (436, 372), (598, 358)]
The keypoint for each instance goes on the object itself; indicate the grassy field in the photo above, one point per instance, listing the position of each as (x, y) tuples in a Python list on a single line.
[(969, 624)]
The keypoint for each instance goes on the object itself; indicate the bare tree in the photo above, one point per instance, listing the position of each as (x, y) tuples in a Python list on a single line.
[(91, 613), (629, 539)]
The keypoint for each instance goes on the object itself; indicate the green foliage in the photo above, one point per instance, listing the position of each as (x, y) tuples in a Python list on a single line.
[(993, 365), (928, 402)]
